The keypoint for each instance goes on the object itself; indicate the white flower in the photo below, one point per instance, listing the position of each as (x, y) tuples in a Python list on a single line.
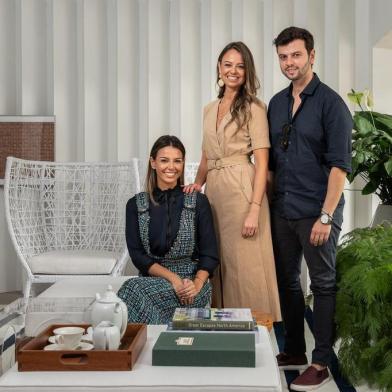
[(368, 100)]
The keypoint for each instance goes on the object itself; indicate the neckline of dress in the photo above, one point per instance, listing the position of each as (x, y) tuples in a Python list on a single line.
[(227, 114)]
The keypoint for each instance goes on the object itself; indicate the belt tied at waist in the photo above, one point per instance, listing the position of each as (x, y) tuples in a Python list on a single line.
[(227, 161)]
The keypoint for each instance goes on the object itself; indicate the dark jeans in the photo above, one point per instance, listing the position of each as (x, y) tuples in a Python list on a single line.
[(291, 241)]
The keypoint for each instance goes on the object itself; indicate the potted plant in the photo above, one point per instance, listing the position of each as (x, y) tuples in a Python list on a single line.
[(372, 152), (364, 306)]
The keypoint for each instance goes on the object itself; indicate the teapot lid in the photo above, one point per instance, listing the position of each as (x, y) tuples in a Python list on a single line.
[(109, 296)]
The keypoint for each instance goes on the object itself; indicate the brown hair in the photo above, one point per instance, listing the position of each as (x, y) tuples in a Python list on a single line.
[(292, 33), (151, 177), (240, 108)]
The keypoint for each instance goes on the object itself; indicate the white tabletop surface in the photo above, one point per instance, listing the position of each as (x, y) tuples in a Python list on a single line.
[(144, 377)]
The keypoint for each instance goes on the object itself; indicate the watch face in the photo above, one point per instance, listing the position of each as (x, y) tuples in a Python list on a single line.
[(324, 219)]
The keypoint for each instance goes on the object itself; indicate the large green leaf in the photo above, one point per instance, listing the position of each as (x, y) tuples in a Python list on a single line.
[(381, 115), (376, 177), (369, 188), (362, 124), (389, 137), (388, 166), (384, 119), (354, 165), (351, 176), (375, 168), (360, 156)]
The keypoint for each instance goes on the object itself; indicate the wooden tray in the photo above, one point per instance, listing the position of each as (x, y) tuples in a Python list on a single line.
[(32, 357)]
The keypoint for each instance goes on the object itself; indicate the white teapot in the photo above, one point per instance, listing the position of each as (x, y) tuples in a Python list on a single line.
[(109, 307)]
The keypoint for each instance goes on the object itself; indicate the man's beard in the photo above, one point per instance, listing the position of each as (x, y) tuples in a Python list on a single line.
[(300, 72)]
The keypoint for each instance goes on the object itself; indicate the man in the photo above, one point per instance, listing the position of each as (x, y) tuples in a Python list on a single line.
[(310, 131)]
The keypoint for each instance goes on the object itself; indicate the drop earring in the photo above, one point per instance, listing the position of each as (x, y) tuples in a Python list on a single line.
[(221, 83)]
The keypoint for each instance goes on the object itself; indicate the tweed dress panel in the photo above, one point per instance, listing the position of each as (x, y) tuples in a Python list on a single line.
[(152, 300)]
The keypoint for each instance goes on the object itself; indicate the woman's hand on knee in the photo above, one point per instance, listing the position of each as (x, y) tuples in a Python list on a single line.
[(177, 284), (188, 293)]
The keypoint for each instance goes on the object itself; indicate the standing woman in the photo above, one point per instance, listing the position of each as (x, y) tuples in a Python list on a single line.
[(234, 128), (171, 240)]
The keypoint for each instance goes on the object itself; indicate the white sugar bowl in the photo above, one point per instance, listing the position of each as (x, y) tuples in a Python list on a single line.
[(106, 336)]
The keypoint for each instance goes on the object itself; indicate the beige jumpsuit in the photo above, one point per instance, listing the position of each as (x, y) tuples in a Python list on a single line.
[(247, 275)]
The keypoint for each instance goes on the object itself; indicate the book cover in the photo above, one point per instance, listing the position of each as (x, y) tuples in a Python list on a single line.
[(255, 331), (213, 318), (204, 349)]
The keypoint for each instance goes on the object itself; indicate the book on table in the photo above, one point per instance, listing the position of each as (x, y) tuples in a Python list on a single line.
[(236, 319), (188, 348), (254, 331)]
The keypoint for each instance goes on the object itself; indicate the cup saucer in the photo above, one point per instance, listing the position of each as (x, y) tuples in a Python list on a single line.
[(81, 346), (85, 338)]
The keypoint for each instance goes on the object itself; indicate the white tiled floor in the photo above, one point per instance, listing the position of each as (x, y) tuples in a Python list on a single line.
[(328, 387)]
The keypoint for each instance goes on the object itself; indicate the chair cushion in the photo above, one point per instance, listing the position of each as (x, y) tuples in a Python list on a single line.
[(73, 262), (83, 286)]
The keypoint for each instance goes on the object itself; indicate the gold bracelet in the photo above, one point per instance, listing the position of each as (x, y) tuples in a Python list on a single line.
[(255, 202)]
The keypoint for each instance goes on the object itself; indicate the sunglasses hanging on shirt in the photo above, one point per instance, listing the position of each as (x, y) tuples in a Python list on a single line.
[(285, 138)]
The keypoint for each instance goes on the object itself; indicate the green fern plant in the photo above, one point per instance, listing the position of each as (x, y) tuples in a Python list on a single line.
[(364, 306)]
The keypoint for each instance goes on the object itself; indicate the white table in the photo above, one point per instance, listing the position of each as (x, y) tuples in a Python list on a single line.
[(144, 377)]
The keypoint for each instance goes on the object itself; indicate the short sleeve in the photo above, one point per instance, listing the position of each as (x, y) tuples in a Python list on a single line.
[(338, 127), (258, 126)]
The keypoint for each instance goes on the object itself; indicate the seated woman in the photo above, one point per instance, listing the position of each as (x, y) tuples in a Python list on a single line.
[(171, 241)]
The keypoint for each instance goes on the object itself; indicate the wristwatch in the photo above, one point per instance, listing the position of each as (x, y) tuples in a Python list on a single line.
[(325, 218)]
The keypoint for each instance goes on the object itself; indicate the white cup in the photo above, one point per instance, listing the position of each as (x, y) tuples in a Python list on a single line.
[(68, 338), (106, 336)]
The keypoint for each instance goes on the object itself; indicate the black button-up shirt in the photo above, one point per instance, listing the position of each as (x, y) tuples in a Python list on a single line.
[(319, 139), (163, 230)]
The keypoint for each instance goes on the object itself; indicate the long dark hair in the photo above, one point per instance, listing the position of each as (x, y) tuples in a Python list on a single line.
[(151, 177), (240, 108)]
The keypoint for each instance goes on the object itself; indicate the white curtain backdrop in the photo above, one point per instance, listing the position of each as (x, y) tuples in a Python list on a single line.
[(119, 73)]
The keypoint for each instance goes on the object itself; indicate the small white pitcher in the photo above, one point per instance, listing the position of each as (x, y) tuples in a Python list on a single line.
[(106, 336)]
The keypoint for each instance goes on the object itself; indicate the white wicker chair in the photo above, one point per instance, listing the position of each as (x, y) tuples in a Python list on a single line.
[(68, 219), (142, 168)]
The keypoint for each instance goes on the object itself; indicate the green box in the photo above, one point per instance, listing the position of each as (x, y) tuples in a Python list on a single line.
[(204, 349)]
